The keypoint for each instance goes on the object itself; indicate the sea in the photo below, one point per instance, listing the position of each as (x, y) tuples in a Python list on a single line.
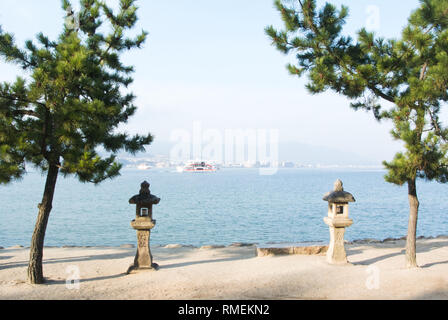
[(219, 208)]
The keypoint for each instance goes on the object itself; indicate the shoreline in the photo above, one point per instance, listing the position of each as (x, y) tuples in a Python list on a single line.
[(237, 244)]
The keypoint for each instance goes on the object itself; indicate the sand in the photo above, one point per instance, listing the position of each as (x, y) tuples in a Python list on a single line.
[(376, 272)]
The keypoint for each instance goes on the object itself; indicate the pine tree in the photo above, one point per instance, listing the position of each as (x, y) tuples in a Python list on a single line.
[(410, 73), (70, 105)]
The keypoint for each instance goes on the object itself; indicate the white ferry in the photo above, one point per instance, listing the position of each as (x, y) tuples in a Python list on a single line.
[(198, 167), (143, 166)]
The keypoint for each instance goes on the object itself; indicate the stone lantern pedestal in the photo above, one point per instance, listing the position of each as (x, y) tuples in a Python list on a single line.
[(337, 221), (336, 250), (143, 223), (143, 257)]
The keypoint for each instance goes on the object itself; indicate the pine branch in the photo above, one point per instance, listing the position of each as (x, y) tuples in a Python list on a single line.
[(341, 63), (11, 98)]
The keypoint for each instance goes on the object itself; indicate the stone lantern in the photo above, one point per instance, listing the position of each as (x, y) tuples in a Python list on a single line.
[(143, 223), (337, 220)]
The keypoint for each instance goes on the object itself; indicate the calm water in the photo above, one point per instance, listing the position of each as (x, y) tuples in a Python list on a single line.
[(231, 205)]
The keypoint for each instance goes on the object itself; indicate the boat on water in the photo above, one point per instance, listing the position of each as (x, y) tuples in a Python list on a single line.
[(197, 167), (143, 166)]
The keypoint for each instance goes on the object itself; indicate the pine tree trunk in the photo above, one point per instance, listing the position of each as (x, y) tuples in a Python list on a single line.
[(411, 255), (35, 271)]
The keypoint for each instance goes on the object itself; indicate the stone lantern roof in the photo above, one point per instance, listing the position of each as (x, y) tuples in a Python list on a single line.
[(144, 197), (338, 195)]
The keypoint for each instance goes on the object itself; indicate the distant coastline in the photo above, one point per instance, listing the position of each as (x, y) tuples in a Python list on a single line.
[(242, 244)]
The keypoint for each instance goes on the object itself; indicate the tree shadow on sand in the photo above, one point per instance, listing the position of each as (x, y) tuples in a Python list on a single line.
[(428, 265), (113, 256), (5, 257), (433, 295), (420, 249), (377, 259), (189, 263), (114, 276), (160, 258), (161, 267)]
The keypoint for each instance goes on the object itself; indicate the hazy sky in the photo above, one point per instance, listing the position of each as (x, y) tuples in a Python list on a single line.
[(210, 61)]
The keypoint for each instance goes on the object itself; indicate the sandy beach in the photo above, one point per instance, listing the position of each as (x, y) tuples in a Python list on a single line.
[(236, 272)]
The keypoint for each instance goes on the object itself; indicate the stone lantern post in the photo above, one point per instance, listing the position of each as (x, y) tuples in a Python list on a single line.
[(143, 223), (337, 220)]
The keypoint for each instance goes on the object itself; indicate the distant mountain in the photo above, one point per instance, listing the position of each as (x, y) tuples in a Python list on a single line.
[(311, 154), (288, 151)]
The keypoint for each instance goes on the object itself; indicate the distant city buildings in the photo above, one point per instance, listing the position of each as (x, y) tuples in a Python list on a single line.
[(163, 162)]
